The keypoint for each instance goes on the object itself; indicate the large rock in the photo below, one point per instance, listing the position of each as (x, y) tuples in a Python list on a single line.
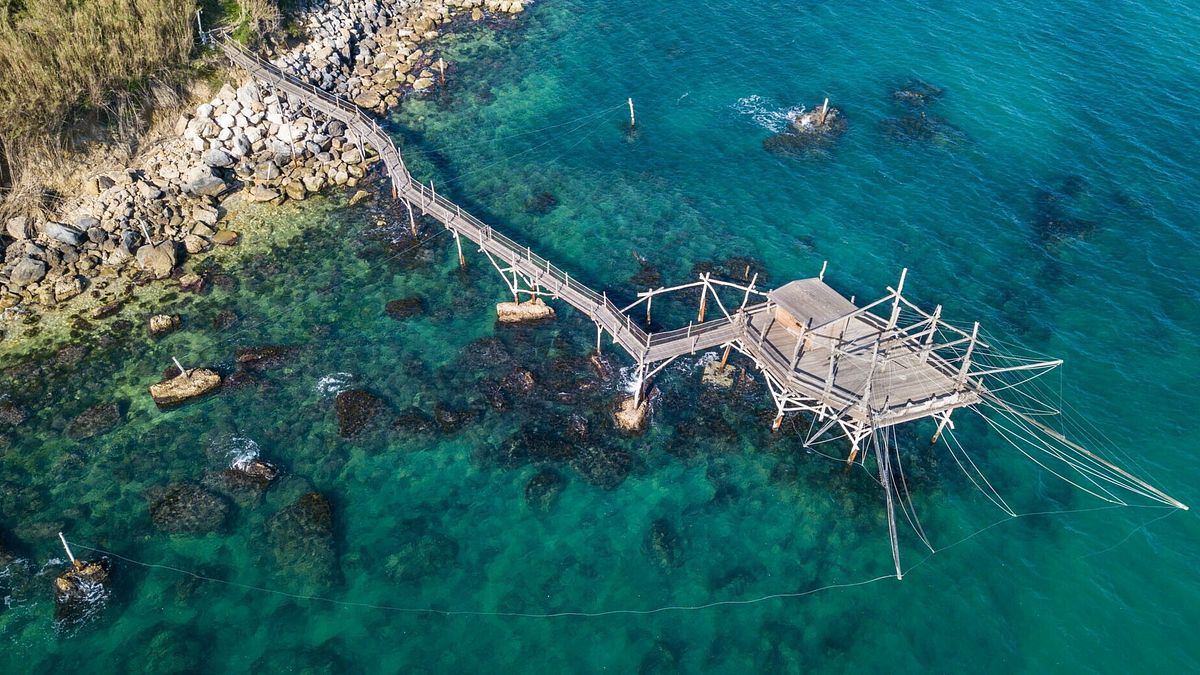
[(184, 387), (603, 467), (262, 193), (542, 491), (356, 409), (531, 310), (63, 233), (20, 228), (12, 414), (27, 271), (186, 508), (206, 186), (218, 159), (301, 539), (161, 324), (80, 594), (157, 259)]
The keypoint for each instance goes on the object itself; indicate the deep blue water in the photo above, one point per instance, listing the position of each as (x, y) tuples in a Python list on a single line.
[(1055, 204)]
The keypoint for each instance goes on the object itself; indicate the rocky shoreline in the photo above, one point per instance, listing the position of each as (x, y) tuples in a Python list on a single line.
[(142, 223)]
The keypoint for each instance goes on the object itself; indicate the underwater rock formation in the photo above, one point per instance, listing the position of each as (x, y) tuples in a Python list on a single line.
[(356, 409), (916, 94), (662, 543), (543, 489), (96, 420), (921, 127), (427, 554), (186, 508), (1054, 211), (603, 467), (405, 308), (541, 203), (263, 358), (301, 539)]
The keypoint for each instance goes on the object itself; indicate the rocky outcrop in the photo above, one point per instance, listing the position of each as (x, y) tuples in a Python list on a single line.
[(80, 593), (184, 387), (543, 489), (356, 410), (301, 540), (530, 310), (140, 223), (161, 324)]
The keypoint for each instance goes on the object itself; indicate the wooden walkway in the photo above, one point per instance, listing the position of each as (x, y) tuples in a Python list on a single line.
[(835, 378)]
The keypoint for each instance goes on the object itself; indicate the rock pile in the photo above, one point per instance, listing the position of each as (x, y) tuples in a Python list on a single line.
[(140, 223)]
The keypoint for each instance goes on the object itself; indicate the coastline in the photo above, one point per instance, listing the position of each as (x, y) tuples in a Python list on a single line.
[(203, 188)]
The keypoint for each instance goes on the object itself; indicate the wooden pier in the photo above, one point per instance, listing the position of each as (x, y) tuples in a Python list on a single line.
[(856, 370)]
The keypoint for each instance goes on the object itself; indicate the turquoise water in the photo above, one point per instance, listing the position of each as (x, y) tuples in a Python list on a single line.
[(1087, 107)]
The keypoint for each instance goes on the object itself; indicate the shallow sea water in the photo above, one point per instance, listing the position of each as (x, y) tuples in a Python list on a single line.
[(1090, 107)]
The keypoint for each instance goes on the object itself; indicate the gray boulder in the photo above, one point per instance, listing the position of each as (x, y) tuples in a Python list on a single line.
[(28, 271), (20, 228), (209, 186), (64, 233), (218, 159), (157, 259)]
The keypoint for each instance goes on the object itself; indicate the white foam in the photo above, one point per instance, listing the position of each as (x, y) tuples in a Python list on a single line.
[(766, 114), (240, 451), (334, 384)]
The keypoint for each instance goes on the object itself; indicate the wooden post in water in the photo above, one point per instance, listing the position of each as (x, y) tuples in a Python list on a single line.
[(824, 111), (70, 556), (462, 262), (182, 370), (725, 356), (632, 121), (703, 299)]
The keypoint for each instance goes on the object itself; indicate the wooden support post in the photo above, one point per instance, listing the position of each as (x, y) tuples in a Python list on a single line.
[(632, 121), (777, 423), (70, 556), (703, 302), (648, 301), (182, 370), (853, 451), (412, 220), (941, 425), (824, 112), (896, 300), (931, 336), (821, 276), (725, 356), (966, 364), (599, 334), (462, 262)]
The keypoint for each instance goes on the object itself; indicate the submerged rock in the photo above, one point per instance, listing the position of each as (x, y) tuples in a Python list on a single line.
[(916, 94), (543, 489), (96, 420), (263, 358), (80, 593), (922, 128), (429, 554), (405, 308), (184, 387), (356, 409), (541, 203), (301, 540), (1054, 212), (661, 544), (603, 467), (245, 481), (450, 419), (12, 414), (186, 508), (630, 417), (413, 421)]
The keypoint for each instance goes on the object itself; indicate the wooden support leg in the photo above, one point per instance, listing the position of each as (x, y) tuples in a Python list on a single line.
[(462, 262), (725, 356), (941, 425), (599, 334), (853, 453), (703, 302), (777, 423)]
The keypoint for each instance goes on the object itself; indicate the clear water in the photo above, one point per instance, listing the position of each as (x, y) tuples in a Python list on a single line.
[(1093, 102)]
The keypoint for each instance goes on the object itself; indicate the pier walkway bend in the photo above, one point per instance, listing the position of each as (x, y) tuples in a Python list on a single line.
[(856, 370)]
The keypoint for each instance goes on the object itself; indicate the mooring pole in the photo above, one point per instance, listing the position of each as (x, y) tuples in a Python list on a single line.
[(941, 425), (632, 121), (182, 370), (67, 548)]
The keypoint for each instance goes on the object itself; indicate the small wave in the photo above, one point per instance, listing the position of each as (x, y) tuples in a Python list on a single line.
[(332, 385), (766, 114), (239, 450)]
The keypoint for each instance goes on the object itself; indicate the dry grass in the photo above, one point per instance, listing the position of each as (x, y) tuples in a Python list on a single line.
[(77, 74)]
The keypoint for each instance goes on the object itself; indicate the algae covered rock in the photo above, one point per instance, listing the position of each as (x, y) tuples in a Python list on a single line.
[(81, 593), (96, 420), (356, 410), (301, 539), (186, 508), (543, 489)]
